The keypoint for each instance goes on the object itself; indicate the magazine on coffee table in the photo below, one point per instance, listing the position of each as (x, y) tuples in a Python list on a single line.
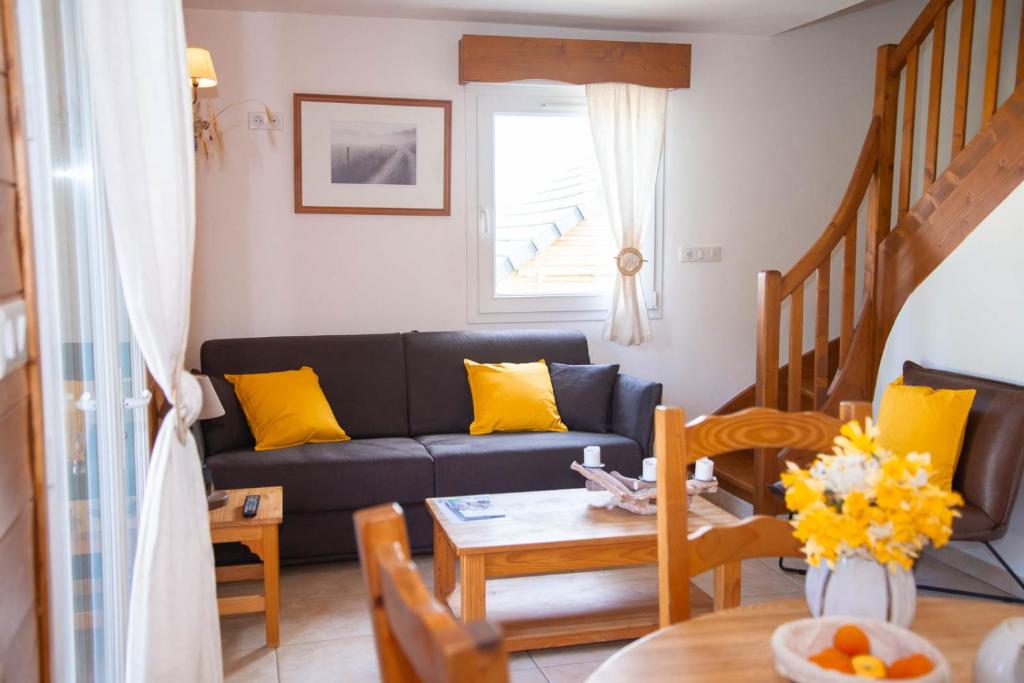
[(474, 508)]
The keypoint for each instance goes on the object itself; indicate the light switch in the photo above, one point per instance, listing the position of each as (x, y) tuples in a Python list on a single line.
[(709, 253), (13, 336)]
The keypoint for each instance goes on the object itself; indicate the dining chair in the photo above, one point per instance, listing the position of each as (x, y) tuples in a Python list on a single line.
[(677, 445), (417, 638)]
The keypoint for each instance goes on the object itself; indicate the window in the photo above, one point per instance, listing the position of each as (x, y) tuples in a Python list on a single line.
[(544, 249), (93, 376)]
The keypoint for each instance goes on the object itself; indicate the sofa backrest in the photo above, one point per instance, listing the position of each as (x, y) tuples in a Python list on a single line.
[(439, 398), (988, 473), (362, 375)]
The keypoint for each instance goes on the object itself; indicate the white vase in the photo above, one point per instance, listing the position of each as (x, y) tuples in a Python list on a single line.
[(1000, 658), (861, 588)]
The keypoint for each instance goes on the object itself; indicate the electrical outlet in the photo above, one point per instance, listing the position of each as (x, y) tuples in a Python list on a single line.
[(258, 120), (703, 254)]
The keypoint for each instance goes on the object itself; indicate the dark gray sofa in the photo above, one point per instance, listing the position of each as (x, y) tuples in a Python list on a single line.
[(405, 401)]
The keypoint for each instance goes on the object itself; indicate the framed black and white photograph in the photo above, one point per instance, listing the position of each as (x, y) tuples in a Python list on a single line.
[(372, 155)]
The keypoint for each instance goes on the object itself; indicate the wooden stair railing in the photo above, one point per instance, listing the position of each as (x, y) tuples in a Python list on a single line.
[(907, 236), (774, 289)]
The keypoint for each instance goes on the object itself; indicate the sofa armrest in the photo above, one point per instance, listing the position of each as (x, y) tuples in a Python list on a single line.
[(633, 404)]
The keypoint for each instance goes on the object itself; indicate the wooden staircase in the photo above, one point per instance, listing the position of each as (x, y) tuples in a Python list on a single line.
[(898, 220)]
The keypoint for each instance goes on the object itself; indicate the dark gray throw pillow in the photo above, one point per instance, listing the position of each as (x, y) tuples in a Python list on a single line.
[(583, 394), (230, 431)]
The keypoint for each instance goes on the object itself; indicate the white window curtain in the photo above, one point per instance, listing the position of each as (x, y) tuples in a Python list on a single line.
[(628, 125), (143, 122)]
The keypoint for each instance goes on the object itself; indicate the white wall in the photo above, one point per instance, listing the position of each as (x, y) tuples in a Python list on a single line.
[(759, 151), (968, 316)]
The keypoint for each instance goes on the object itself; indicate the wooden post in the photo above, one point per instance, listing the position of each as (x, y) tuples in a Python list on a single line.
[(880, 190), (990, 101), (769, 313), (671, 451), (931, 146), (854, 410), (963, 77)]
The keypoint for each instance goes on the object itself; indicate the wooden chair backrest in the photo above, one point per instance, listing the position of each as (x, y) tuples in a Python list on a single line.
[(418, 640), (677, 445)]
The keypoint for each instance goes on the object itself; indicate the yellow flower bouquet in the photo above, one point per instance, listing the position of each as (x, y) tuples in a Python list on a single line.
[(865, 502)]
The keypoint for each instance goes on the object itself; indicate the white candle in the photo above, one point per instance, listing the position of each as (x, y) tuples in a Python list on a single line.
[(650, 469), (592, 456), (704, 469)]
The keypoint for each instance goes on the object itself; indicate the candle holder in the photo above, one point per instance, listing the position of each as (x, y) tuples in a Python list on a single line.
[(635, 495)]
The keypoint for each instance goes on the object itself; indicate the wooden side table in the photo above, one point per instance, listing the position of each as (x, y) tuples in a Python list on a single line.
[(258, 534)]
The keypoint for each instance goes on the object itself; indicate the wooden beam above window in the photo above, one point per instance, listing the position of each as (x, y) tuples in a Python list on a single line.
[(500, 59)]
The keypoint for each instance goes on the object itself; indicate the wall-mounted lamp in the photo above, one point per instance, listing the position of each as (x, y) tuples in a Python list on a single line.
[(205, 129)]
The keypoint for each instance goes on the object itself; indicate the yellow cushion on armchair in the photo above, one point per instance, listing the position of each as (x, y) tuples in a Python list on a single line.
[(925, 420)]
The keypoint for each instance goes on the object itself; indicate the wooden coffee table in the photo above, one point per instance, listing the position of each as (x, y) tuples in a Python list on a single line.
[(259, 535), (557, 532)]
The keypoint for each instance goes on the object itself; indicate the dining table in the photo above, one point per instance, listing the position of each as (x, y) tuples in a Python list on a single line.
[(735, 644)]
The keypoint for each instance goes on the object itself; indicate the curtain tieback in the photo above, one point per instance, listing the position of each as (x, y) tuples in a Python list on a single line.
[(187, 398), (630, 261)]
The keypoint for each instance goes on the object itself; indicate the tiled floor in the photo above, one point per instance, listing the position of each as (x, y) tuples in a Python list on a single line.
[(326, 633)]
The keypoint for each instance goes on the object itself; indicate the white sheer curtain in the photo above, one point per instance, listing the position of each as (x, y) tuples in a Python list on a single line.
[(628, 125), (143, 120)]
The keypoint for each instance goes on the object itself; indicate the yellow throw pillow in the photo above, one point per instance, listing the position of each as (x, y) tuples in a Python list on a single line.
[(512, 397), (925, 420), (286, 408)]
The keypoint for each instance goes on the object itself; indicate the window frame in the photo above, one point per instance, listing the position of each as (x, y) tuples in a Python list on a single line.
[(482, 103)]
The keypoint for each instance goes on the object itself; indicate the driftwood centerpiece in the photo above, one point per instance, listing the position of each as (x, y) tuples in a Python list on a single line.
[(636, 495)]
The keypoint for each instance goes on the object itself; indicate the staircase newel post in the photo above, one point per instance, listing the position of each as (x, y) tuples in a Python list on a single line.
[(880, 191), (769, 320)]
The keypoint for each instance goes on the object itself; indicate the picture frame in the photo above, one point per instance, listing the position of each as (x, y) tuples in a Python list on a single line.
[(372, 155)]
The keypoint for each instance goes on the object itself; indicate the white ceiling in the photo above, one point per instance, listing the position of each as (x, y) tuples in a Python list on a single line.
[(757, 17)]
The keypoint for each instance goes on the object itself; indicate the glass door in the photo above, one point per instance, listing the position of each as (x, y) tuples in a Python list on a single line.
[(94, 394)]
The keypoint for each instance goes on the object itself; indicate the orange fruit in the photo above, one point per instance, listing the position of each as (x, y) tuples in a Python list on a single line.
[(868, 666), (851, 641), (831, 658), (910, 667)]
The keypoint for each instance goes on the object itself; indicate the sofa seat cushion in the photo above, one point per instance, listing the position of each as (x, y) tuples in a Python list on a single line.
[(343, 475), (521, 461)]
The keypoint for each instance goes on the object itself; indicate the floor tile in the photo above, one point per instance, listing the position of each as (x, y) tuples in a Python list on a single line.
[(757, 579), (250, 666), (521, 661), (527, 676), (302, 582), (936, 573), (242, 632), (570, 673), (327, 618), (352, 660), (577, 654)]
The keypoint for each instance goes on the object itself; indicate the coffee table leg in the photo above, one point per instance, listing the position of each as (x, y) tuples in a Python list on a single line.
[(473, 588), (727, 585), (444, 564), (271, 585)]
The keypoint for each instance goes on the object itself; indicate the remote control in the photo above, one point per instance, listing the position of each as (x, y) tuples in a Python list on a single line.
[(250, 506)]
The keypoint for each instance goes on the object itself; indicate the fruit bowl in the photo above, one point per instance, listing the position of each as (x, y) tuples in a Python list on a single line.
[(795, 641)]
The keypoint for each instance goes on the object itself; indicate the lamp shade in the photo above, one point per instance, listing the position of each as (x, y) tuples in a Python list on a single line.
[(212, 406), (200, 67)]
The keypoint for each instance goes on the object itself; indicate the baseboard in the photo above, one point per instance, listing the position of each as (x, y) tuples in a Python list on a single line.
[(967, 563)]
